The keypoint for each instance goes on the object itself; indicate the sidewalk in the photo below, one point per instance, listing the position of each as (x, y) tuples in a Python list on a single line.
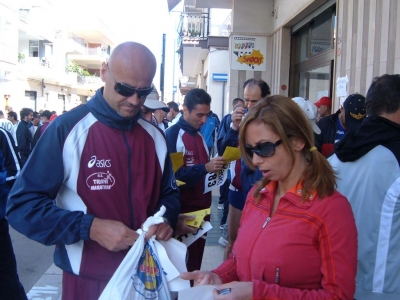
[(49, 285)]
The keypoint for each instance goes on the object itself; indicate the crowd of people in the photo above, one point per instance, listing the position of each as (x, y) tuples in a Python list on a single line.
[(311, 208)]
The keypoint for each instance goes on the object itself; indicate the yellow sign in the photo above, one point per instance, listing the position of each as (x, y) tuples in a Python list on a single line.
[(199, 216), (231, 154), (177, 160), (255, 58), (179, 183)]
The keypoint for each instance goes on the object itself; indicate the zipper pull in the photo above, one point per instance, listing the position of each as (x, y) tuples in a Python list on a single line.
[(277, 274), (266, 222)]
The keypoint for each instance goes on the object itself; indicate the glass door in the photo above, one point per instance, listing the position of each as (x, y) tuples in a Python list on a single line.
[(312, 57), (315, 83)]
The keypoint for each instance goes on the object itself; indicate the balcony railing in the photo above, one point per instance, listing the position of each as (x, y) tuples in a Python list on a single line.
[(23, 15), (97, 51), (92, 80), (77, 39), (193, 26)]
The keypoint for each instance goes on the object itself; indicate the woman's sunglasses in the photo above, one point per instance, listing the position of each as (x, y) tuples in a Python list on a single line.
[(266, 149), (128, 91)]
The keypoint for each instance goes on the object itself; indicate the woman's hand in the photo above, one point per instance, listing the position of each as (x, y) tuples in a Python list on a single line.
[(202, 277), (239, 291)]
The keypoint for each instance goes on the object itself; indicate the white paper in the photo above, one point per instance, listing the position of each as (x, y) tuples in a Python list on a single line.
[(341, 86), (176, 252), (190, 238), (201, 292)]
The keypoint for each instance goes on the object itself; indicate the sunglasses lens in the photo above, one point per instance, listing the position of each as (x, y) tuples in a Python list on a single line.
[(123, 90), (267, 149), (144, 93), (127, 91), (249, 152)]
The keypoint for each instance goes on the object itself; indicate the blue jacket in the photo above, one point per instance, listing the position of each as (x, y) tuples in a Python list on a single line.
[(95, 163), (230, 137)]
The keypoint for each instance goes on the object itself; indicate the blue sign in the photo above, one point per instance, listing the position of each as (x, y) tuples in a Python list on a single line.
[(220, 77), (174, 89)]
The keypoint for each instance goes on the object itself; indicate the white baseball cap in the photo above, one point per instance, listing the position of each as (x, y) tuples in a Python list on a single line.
[(310, 110), (155, 104)]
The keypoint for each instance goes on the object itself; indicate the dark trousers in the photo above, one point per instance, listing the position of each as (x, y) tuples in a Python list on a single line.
[(10, 287), (223, 199)]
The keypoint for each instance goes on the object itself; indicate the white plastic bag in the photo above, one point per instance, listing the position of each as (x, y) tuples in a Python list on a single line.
[(140, 275)]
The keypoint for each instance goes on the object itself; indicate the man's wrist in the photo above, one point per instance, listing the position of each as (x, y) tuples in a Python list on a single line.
[(167, 221)]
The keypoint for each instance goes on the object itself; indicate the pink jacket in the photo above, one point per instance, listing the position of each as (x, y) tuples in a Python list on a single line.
[(304, 251)]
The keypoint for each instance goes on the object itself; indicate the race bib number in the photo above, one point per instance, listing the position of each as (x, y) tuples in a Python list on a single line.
[(215, 179)]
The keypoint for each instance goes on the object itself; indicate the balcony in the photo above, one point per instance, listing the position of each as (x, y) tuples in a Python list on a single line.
[(91, 58), (193, 30)]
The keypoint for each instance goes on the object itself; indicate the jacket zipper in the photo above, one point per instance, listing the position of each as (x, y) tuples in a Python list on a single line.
[(129, 181), (266, 222), (277, 275)]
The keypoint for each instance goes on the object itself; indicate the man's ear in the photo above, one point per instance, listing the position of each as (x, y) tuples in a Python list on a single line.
[(297, 144), (103, 71)]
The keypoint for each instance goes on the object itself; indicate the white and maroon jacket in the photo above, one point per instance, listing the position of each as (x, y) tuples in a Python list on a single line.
[(95, 163)]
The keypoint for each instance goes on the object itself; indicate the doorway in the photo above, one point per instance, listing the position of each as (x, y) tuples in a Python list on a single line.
[(312, 56)]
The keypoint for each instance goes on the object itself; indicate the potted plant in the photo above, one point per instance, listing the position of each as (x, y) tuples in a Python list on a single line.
[(21, 57)]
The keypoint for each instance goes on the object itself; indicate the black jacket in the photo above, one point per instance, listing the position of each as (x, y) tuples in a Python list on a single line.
[(24, 140), (325, 141)]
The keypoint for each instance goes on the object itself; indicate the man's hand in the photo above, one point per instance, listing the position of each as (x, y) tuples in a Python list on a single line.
[(182, 228), (215, 164), (112, 235), (237, 117), (202, 277), (162, 232)]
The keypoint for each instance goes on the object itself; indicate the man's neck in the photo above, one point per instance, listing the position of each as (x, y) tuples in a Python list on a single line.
[(394, 117)]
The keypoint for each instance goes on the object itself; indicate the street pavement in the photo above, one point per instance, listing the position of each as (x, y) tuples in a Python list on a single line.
[(48, 287)]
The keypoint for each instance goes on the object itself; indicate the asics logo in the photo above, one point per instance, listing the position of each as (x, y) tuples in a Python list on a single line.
[(100, 163)]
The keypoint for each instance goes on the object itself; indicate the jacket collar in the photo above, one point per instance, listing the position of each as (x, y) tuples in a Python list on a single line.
[(187, 127), (293, 194), (99, 107)]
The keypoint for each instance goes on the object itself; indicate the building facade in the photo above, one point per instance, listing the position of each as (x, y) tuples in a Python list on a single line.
[(302, 48), (47, 61)]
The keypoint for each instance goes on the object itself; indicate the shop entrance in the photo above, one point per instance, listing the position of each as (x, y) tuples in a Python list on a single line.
[(312, 55)]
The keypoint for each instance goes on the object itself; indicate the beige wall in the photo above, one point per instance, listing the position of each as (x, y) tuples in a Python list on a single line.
[(255, 18), (368, 43)]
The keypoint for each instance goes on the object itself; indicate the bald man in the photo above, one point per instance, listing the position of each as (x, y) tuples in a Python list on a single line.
[(108, 170)]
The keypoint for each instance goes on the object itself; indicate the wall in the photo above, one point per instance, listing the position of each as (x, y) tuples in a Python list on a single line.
[(278, 45), (368, 42), (217, 62)]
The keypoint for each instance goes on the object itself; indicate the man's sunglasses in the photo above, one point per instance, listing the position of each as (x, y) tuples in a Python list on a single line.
[(128, 91), (266, 149)]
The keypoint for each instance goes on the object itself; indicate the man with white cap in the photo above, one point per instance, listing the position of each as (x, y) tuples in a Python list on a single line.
[(310, 110), (154, 111)]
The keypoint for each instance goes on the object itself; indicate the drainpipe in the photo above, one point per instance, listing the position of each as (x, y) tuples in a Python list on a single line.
[(162, 69), (223, 99)]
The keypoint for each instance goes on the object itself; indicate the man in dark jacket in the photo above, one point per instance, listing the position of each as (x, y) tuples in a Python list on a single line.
[(243, 177), (334, 127), (10, 286), (24, 135)]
